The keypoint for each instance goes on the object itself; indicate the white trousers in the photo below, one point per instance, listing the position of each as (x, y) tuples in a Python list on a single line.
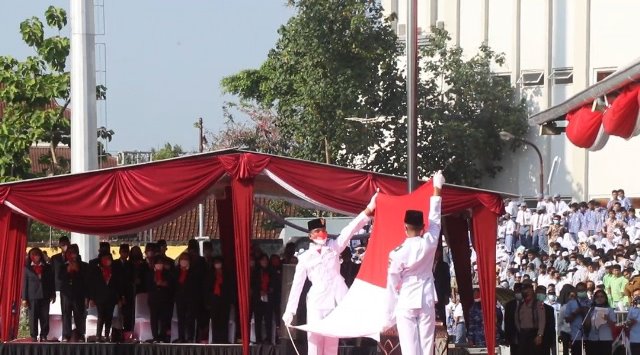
[(320, 344), (416, 330)]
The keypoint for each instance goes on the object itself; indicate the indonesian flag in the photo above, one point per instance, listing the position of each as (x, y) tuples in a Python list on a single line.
[(367, 308)]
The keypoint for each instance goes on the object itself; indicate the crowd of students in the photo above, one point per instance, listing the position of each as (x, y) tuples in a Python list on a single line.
[(581, 260)]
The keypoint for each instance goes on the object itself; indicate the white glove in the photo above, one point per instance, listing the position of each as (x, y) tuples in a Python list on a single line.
[(438, 179), (372, 204), (287, 318)]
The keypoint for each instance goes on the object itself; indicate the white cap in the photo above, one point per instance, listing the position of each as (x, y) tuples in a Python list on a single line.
[(565, 253), (518, 274), (599, 283)]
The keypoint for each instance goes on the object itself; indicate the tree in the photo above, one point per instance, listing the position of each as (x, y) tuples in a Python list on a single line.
[(36, 96), (167, 152), (461, 109), (333, 60), (260, 133)]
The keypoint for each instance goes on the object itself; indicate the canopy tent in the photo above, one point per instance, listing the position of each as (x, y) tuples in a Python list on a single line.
[(133, 198), (589, 126)]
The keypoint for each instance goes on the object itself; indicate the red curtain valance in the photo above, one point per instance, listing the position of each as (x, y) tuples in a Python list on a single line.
[(584, 127)]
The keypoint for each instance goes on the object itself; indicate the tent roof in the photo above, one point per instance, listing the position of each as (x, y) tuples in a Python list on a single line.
[(263, 186)]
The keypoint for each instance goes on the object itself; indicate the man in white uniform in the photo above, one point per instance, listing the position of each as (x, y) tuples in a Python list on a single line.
[(321, 264), (410, 276)]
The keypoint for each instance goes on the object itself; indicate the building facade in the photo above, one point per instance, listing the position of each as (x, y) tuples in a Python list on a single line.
[(553, 49)]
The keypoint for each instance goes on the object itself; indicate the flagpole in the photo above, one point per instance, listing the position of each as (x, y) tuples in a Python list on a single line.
[(412, 90)]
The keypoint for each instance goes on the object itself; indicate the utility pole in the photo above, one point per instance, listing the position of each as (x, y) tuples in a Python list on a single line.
[(199, 124), (412, 93)]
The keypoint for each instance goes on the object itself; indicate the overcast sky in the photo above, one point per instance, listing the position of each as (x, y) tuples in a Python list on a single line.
[(165, 60)]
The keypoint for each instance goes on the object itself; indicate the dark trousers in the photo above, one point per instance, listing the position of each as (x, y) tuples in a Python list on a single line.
[(526, 344), (219, 316), (105, 317), (635, 348), (263, 312), (576, 348), (39, 312), (128, 313), (202, 323), (598, 347), (565, 339), (73, 309), (161, 311), (186, 310)]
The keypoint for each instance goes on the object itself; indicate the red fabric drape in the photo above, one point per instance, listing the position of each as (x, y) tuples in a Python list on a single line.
[(621, 118), (583, 126), (485, 225), (118, 200), (242, 216), (12, 254), (458, 240), (224, 209), (341, 189)]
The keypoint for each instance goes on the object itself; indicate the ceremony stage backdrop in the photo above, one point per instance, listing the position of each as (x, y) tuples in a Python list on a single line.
[(134, 198)]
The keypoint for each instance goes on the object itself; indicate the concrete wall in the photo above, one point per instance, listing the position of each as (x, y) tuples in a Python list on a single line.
[(585, 35)]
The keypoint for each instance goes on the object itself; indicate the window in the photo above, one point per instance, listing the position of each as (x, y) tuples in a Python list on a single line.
[(532, 78), (502, 77), (402, 30), (602, 74), (562, 76)]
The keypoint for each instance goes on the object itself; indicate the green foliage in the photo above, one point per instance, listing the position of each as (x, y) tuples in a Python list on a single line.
[(40, 233), (461, 109), (339, 59), (333, 60), (36, 93), (167, 152)]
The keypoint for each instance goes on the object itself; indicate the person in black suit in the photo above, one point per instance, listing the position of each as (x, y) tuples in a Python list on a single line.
[(160, 288), (59, 259), (262, 293), (188, 297), (38, 290), (198, 264), (442, 282), (217, 300), (549, 335), (124, 267), (74, 285), (103, 248), (105, 292), (510, 333)]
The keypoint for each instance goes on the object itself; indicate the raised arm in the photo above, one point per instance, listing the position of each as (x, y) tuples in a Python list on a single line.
[(435, 212), (356, 224)]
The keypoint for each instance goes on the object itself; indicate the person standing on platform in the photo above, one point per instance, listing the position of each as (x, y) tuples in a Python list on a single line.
[(160, 289), (74, 285), (187, 296), (530, 321), (106, 293), (124, 267), (59, 259), (410, 274), (38, 290), (321, 265), (217, 300), (262, 282)]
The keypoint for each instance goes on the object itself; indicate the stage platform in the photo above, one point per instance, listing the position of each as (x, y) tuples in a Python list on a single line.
[(23, 348)]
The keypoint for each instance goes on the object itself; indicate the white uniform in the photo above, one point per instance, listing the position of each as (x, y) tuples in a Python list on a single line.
[(411, 274), (321, 264)]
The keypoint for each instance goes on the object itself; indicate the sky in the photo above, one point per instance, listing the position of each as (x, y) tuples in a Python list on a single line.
[(164, 60)]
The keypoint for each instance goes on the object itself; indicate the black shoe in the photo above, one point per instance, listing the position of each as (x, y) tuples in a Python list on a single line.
[(43, 339), (34, 340)]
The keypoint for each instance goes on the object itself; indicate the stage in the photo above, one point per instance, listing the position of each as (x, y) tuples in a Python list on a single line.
[(24, 348)]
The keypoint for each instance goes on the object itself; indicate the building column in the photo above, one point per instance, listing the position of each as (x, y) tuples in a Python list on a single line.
[(452, 20)]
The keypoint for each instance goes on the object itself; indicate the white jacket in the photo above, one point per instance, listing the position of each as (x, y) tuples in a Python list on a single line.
[(321, 264), (411, 265)]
